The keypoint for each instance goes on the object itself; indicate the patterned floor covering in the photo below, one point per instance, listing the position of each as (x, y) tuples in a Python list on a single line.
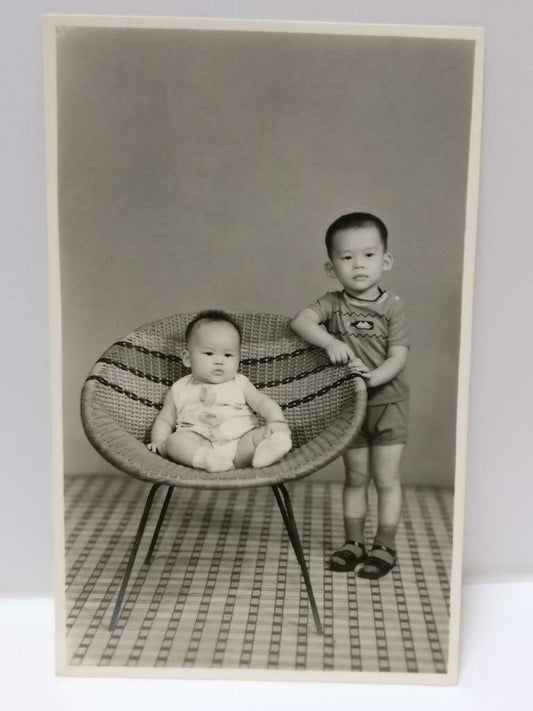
[(224, 589)]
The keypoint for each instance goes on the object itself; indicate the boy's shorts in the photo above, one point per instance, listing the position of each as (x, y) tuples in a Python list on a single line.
[(384, 425)]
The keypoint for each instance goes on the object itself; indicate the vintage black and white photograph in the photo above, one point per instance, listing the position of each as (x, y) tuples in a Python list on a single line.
[(262, 240)]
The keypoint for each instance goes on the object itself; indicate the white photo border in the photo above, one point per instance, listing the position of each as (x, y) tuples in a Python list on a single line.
[(50, 25)]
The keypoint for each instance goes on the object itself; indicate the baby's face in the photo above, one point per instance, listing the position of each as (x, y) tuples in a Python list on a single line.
[(213, 352), (358, 260)]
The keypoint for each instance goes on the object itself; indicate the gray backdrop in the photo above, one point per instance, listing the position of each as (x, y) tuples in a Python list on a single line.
[(201, 169)]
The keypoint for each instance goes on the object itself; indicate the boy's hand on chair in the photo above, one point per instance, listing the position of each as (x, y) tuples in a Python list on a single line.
[(356, 365), (338, 352)]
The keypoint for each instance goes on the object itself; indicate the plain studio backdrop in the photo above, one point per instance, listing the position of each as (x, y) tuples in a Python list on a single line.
[(200, 169)]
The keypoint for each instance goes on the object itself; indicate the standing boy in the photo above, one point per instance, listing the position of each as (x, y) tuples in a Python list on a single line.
[(366, 327)]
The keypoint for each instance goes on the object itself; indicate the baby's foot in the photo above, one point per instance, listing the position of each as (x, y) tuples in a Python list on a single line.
[(217, 460), (271, 449)]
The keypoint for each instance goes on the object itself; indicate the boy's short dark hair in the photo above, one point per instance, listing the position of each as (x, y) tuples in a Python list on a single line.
[(353, 220), (211, 315)]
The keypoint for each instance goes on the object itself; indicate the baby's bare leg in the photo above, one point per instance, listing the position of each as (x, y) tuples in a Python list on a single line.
[(247, 446), (182, 446), (262, 447)]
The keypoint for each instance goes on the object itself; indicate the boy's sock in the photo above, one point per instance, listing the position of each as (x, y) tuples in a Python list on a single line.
[(354, 529), (386, 535), (271, 448)]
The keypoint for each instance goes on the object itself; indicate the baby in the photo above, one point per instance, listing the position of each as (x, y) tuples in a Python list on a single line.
[(208, 418)]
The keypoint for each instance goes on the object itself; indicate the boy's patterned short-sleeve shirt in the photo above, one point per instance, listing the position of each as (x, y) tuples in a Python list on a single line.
[(369, 328)]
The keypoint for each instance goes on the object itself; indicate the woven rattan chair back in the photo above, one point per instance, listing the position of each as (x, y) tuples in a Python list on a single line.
[(126, 388)]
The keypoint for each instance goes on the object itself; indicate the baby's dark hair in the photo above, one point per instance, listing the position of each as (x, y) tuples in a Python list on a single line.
[(353, 220), (211, 315)]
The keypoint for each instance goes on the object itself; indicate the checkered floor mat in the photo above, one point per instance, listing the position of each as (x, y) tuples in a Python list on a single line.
[(224, 589)]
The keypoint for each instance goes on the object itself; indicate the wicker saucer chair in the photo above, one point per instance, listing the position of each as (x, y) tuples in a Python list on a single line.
[(125, 389)]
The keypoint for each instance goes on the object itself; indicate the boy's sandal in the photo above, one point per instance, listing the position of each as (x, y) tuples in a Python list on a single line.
[(348, 559), (381, 566)]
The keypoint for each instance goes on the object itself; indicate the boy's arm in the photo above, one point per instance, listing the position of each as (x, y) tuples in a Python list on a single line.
[(264, 406), (393, 364), (164, 424), (307, 325), (398, 347)]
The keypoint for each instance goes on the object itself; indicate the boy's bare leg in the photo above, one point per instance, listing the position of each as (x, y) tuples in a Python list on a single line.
[(182, 447), (385, 461), (355, 494)]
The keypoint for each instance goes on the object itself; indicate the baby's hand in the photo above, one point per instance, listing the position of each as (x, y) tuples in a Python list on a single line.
[(356, 365), (338, 352), (279, 427), (157, 448)]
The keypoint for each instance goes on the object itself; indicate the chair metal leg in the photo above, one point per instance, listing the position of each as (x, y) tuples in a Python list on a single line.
[(287, 513), (133, 554), (160, 520)]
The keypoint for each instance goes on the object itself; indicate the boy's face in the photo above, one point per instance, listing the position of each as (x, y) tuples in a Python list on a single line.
[(358, 260), (213, 352)]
